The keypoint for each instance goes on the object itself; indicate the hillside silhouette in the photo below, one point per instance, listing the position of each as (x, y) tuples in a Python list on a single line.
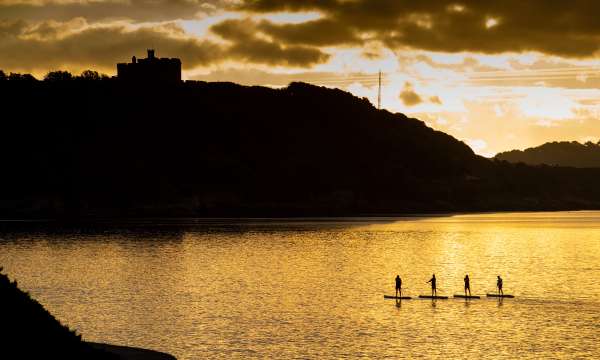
[(28, 331), (563, 153), (96, 146)]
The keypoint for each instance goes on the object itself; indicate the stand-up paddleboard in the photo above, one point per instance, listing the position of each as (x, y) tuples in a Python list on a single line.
[(432, 297), (397, 297), (500, 296), (467, 297)]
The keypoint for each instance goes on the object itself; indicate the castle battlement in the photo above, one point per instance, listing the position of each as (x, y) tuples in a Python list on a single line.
[(151, 69)]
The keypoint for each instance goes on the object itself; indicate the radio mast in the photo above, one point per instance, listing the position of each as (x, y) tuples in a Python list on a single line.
[(379, 93)]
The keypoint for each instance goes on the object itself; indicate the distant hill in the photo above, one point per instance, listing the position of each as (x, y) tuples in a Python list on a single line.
[(77, 148), (563, 153)]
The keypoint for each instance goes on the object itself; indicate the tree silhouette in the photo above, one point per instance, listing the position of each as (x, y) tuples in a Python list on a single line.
[(90, 75), (2, 75), (21, 77), (58, 76)]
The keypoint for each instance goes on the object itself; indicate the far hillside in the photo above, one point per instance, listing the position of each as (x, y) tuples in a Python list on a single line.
[(563, 153), (91, 146)]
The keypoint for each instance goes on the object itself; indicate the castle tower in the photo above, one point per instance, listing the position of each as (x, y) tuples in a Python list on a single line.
[(150, 70)]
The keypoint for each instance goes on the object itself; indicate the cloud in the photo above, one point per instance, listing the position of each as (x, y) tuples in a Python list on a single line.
[(247, 45), (563, 28), (77, 44), (435, 100), (320, 32), (94, 10), (409, 97), (441, 26)]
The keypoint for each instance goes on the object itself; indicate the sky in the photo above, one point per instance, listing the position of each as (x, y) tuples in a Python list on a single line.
[(498, 75)]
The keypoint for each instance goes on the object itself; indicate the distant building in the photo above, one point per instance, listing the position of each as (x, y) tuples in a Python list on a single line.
[(151, 69)]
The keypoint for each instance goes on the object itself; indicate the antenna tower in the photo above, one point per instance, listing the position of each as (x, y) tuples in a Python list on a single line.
[(379, 93)]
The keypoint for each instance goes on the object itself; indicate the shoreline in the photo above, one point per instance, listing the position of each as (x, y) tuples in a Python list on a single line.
[(132, 353), (102, 220)]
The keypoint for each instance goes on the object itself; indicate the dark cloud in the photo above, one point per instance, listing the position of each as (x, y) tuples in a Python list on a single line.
[(56, 33), (75, 44), (139, 10), (247, 46), (409, 97), (564, 28), (321, 32)]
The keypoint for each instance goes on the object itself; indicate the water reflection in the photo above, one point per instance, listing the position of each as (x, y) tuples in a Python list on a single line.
[(312, 289)]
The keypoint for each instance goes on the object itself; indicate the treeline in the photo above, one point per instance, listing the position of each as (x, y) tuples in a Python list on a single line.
[(59, 75), (561, 153), (110, 148)]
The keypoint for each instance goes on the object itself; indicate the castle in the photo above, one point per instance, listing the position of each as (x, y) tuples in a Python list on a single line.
[(151, 69)]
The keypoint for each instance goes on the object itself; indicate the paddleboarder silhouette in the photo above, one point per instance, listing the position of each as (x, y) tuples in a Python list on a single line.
[(398, 285), (433, 286), (467, 285), (499, 285)]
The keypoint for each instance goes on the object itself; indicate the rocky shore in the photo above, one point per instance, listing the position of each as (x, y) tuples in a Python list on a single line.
[(131, 353)]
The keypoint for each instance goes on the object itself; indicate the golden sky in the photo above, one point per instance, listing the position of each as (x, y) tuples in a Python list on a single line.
[(498, 75)]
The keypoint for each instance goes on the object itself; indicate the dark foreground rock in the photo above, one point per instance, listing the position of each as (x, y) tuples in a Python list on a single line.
[(29, 331), (130, 353)]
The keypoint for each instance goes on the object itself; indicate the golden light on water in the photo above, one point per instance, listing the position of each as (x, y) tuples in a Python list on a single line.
[(496, 75), (265, 288)]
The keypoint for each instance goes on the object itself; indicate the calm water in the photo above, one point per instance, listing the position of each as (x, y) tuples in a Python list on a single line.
[(314, 288)]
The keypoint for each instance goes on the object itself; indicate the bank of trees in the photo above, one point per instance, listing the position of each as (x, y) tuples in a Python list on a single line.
[(78, 148), (58, 75)]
